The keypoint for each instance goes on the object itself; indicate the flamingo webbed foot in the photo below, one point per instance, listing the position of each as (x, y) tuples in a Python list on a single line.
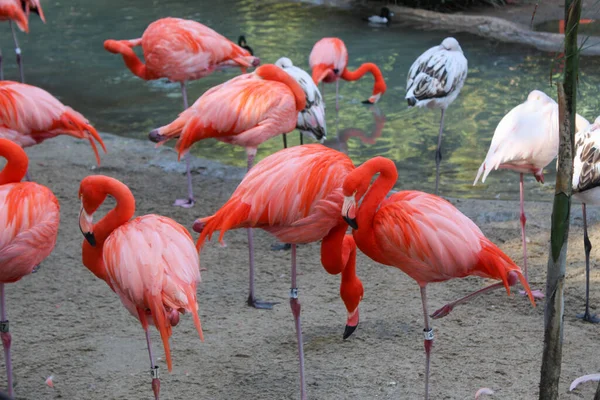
[(261, 305), (185, 203), (442, 312), (537, 294), (588, 317)]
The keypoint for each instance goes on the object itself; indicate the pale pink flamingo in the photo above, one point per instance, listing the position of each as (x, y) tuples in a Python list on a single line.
[(424, 236), (29, 219), (434, 81), (18, 11), (245, 111), (329, 60), (182, 50), (149, 261), (526, 141), (305, 209), (586, 188), (29, 115)]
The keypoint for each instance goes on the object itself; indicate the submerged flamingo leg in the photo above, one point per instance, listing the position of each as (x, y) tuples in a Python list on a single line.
[(252, 300), (586, 316), (438, 153), (512, 278), (18, 51), (295, 306), (537, 294), (189, 202), (428, 340), (153, 369), (6, 340)]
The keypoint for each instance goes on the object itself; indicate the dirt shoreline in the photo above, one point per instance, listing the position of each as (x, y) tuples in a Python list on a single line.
[(68, 324)]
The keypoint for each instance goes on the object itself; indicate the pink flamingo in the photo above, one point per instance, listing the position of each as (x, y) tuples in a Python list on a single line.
[(18, 11), (305, 209), (29, 115), (182, 50), (329, 60), (526, 141), (150, 261), (245, 111), (29, 219), (424, 236)]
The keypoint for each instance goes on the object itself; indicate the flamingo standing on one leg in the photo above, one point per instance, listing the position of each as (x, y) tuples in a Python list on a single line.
[(586, 188), (29, 219), (29, 115), (424, 236), (305, 209), (245, 111), (311, 120), (434, 81), (329, 60), (150, 261), (18, 11), (182, 50), (526, 140)]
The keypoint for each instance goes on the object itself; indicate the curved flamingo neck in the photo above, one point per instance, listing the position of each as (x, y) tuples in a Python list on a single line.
[(120, 214), (355, 75), (16, 162), (131, 59), (274, 73), (388, 175), (332, 251), (349, 255)]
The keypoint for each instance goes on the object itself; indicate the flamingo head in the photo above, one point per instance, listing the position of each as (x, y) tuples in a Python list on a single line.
[(349, 210), (352, 294), (244, 45), (451, 44), (91, 197)]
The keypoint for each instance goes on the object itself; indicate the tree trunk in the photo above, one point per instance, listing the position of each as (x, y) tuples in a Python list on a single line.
[(553, 313)]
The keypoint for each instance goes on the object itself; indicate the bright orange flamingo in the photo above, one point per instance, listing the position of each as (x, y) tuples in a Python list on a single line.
[(29, 115), (182, 50), (150, 261), (329, 60), (18, 11), (424, 236), (29, 219), (305, 209)]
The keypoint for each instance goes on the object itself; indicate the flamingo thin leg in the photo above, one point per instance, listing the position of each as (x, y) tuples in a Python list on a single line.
[(18, 51), (189, 202), (428, 340), (337, 91), (153, 369), (295, 306), (6, 340), (586, 316), (284, 141), (445, 310), (438, 153), (252, 300), (537, 294), (301, 139)]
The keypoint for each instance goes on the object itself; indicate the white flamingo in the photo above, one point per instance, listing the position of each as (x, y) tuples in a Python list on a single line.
[(586, 188), (526, 141), (434, 81), (311, 120)]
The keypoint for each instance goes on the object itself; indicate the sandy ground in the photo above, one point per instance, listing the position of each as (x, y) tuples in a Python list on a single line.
[(68, 324)]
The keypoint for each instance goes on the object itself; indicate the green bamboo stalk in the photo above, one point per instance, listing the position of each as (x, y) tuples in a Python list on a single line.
[(561, 209)]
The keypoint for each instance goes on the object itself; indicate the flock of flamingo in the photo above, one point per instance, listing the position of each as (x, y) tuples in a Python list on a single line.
[(151, 262)]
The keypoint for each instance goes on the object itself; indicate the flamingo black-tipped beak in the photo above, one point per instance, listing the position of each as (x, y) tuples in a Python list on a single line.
[(367, 101), (349, 331), (155, 137), (352, 223), (89, 236)]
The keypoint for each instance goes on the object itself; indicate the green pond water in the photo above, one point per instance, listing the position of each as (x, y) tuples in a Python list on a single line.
[(66, 57)]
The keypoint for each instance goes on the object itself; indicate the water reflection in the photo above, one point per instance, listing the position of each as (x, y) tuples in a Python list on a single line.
[(66, 57), (340, 141)]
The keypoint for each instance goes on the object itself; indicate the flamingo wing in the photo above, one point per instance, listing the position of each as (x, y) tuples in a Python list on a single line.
[(436, 74), (311, 120), (29, 220), (152, 263), (431, 241), (586, 167), (266, 198)]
